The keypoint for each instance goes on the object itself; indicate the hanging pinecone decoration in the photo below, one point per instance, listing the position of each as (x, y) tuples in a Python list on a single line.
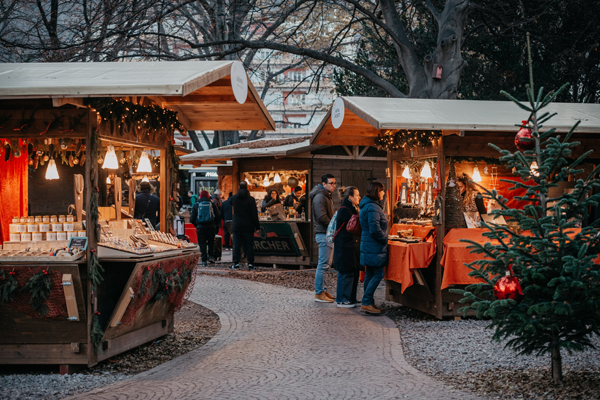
[(454, 203)]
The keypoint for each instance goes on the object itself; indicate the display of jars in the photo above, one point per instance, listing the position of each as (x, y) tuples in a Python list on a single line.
[(56, 226)]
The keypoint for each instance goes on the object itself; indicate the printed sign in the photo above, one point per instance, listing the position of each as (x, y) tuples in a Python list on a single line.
[(239, 82), (275, 239), (337, 112), (79, 242)]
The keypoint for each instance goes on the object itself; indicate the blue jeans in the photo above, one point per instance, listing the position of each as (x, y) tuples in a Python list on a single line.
[(373, 276), (325, 250), (347, 284)]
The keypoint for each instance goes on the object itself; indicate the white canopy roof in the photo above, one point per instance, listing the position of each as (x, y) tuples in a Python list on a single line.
[(200, 91), (365, 116)]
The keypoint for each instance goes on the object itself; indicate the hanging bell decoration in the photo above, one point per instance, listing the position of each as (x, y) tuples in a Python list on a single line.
[(508, 287), (524, 139)]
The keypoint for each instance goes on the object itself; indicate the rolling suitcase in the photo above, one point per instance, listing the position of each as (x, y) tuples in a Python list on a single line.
[(218, 247)]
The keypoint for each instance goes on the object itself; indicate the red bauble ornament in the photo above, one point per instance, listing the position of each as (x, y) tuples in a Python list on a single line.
[(524, 133), (508, 287)]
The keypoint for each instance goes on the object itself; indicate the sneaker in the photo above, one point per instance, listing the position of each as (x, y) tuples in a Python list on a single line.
[(211, 260), (370, 310), (235, 266), (329, 295), (322, 298), (346, 304), (251, 267), (203, 264)]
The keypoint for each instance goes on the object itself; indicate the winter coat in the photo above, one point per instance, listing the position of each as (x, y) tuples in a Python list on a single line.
[(209, 224), (245, 216), (345, 243), (373, 245), (268, 201), (227, 210), (322, 208), (147, 205)]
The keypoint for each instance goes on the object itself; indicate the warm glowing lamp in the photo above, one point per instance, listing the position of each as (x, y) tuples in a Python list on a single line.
[(110, 160), (108, 180), (277, 178), (145, 179), (51, 172), (144, 164), (266, 181), (426, 171), (476, 175), (406, 173)]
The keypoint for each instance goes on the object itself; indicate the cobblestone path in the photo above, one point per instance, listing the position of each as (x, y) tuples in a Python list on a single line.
[(277, 343)]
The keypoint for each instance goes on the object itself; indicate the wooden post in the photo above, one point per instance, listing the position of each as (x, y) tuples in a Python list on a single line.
[(235, 176), (165, 190), (79, 185), (440, 229), (118, 197), (90, 185), (132, 189)]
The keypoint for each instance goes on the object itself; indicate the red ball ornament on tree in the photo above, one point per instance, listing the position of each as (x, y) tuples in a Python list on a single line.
[(508, 287), (520, 140)]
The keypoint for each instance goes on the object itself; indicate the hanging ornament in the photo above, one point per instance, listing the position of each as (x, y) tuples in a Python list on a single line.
[(292, 182), (508, 287), (63, 144), (17, 153), (46, 158), (521, 140)]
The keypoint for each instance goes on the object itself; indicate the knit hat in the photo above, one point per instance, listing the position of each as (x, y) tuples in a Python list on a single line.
[(204, 193)]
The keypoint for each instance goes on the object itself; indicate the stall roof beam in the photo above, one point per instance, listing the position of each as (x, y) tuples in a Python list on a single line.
[(366, 117)]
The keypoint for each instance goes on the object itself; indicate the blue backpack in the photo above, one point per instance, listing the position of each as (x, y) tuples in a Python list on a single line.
[(205, 212)]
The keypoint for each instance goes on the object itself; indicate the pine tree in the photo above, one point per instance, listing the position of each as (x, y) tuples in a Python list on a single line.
[(554, 261)]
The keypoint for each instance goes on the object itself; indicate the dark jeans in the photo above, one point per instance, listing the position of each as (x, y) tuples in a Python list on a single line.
[(245, 239), (227, 233), (206, 238), (373, 276), (347, 284)]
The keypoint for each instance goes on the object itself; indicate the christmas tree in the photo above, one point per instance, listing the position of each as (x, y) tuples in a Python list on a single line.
[(556, 307)]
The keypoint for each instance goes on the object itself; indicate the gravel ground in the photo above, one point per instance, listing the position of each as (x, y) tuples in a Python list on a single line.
[(194, 326)]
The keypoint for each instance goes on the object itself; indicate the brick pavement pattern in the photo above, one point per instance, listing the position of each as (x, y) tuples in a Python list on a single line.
[(277, 343)]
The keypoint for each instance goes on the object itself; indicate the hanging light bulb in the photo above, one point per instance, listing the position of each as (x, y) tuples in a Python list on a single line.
[(108, 180), (476, 175), (51, 172), (247, 181), (534, 169), (277, 178), (110, 160), (145, 179), (406, 173), (266, 181), (426, 171), (144, 164)]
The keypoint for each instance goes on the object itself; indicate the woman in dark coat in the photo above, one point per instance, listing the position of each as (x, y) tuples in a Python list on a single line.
[(346, 251), (270, 199), (373, 246)]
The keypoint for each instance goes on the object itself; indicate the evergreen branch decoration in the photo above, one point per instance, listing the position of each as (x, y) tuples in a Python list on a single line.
[(144, 283), (405, 138), (39, 286), (158, 277), (153, 118), (96, 333), (8, 286)]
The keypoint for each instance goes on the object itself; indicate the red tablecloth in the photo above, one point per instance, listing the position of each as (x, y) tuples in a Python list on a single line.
[(404, 257), (456, 255)]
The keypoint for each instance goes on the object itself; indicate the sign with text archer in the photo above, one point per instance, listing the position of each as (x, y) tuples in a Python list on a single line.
[(275, 239)]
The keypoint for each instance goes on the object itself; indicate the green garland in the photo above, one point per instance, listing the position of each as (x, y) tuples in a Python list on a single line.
[(152, 117), (487, 160), (96, 333), (145, 277), (405, 138), (39, 285), (8, 286), (95, 269)]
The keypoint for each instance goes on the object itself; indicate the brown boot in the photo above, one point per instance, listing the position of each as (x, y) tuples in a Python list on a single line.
[(332, 297), (370, 310), (322, 298)]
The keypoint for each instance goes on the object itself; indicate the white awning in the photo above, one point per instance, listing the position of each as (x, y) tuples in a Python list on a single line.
[(200, 91), (365, 117)]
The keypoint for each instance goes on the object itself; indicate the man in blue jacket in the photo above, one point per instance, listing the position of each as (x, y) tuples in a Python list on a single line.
[(322, 211)]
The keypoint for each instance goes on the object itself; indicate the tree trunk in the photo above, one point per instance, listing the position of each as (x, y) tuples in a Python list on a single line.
[(443, 84), (557, 374)]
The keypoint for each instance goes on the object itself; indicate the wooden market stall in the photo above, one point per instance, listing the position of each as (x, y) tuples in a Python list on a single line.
[(451, 137), (62, 126), (282, 159)]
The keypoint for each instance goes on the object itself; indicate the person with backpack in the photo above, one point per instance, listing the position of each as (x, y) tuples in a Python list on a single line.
[(322, 212), (245, 223), (346, 251), (204, 215), (373, 245)]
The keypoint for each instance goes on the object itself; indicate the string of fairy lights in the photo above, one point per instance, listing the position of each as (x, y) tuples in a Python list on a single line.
[(406, 138)]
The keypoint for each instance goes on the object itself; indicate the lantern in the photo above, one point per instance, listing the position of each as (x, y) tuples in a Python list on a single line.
[(426, 171), (144, 164), (110, 160), (52, 172)]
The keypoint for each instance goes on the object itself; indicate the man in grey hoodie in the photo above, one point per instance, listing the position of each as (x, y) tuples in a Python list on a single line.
[(322, 212)]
